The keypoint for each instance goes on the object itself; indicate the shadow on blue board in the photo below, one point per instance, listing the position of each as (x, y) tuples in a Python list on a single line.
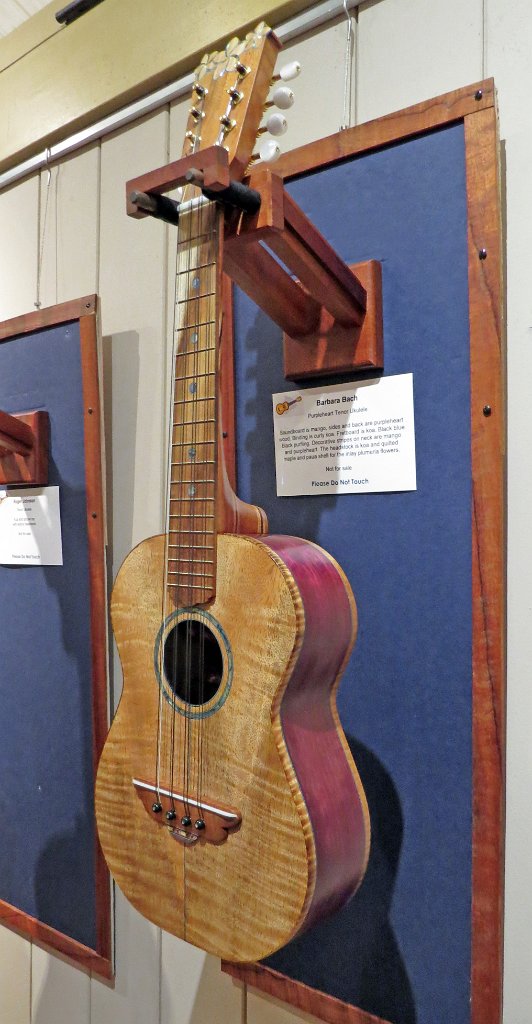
[(354, 955)]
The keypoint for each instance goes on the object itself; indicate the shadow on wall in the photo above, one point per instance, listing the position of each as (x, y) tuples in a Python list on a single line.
[(121, 368), (354, 955)]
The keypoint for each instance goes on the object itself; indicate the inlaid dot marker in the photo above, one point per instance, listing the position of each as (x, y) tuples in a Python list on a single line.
[(193, 387)]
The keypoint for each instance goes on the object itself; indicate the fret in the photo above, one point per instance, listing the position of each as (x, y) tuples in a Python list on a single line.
[(199, 533), (203, 323), (192, 498), (191, 547), (193, 398), (195, 298), (191, 515), (204, 561), (203, 576), (192, 462), (199, 481), (206, 591), (180, 444), (192, 423), (192, 376)]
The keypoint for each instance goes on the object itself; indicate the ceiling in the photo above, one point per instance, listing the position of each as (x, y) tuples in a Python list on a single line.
[(14, 12)]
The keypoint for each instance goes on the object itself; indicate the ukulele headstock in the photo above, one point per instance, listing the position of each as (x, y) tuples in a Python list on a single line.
[(229, 95)]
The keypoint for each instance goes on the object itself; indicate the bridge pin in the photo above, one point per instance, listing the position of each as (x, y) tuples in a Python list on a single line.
[(156, 808), (170, 815), (199, 824), (186, 821)]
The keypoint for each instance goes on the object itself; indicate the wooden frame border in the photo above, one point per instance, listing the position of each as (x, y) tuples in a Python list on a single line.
[(84, 310), (475, 107)]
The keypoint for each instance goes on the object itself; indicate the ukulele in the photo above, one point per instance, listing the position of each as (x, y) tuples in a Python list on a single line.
[(229, 808)]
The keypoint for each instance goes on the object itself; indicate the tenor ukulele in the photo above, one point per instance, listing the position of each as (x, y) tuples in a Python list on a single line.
[(229, 808)]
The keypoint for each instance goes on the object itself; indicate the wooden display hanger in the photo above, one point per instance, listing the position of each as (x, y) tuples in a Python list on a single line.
[(330, 313), (24, 448)]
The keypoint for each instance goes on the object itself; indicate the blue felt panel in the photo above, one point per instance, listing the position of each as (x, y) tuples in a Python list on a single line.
[(401, 949), (46, 774)]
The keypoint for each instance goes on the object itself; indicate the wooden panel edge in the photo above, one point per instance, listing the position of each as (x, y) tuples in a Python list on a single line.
[(421, 117), (55, 941), (326, 1008), (488, 419), (74, 309), (94, 475)]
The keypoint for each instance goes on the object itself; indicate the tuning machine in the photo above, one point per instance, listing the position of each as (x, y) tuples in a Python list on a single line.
[(282, 97), (288, 72)]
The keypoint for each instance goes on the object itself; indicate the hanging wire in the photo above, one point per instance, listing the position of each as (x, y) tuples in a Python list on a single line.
[(348, 71), (37, 303)]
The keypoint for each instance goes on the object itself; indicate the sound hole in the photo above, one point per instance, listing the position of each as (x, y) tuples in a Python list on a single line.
[(193, 663)]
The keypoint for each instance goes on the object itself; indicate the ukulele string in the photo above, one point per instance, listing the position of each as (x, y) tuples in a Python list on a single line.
[(177, 436), (191, 314), (166, 604), (207, 403)]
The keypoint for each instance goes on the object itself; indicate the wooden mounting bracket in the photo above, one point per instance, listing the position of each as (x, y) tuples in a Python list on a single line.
[(213, 162), (331, 313), (24, 448)]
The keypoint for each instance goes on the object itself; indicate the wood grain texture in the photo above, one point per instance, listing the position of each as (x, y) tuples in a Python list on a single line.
[(488, 536), (245, 761), (21, 462), (47, 317), (94, 475), (55, 940), (402, 124), (333, 348), (303, 997)]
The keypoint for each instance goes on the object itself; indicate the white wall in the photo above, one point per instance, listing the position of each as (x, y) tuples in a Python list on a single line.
[(405, 51)]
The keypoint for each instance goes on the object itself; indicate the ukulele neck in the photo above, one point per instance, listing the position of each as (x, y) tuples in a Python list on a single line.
[(193, 455)]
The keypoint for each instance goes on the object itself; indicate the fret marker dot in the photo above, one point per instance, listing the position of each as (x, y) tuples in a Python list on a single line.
[(194, 338), (191, 491), (195, 282), (192, 453), (193, 387)]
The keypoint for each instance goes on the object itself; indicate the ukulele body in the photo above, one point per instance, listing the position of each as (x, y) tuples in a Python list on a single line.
[(267, 747)]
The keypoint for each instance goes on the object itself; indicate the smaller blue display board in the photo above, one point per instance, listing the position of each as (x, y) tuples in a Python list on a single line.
[(48, 848)]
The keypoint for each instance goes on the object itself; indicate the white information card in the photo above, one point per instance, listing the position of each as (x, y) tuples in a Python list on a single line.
[(346, 438), (30, 527)]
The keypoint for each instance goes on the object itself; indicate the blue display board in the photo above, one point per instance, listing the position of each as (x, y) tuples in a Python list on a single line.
[(48, 855), (401, 949)]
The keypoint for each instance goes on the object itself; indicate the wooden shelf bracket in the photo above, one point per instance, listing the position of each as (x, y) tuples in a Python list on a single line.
[(24, 448), (330, 313)]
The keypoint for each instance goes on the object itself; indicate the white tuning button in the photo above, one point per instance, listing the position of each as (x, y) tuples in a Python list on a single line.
[(276, 124), (290, 71), (269, 151), (283, 97)]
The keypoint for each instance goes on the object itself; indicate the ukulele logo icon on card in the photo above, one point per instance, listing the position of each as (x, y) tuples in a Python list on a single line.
[(283, 407)]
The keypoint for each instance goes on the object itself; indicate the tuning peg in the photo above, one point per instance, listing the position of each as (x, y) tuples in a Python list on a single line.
[(288, 72), (276, 124), (283, 97), (269, 151)]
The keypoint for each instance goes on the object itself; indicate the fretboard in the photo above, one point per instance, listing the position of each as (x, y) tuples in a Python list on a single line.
[(191, 513)]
